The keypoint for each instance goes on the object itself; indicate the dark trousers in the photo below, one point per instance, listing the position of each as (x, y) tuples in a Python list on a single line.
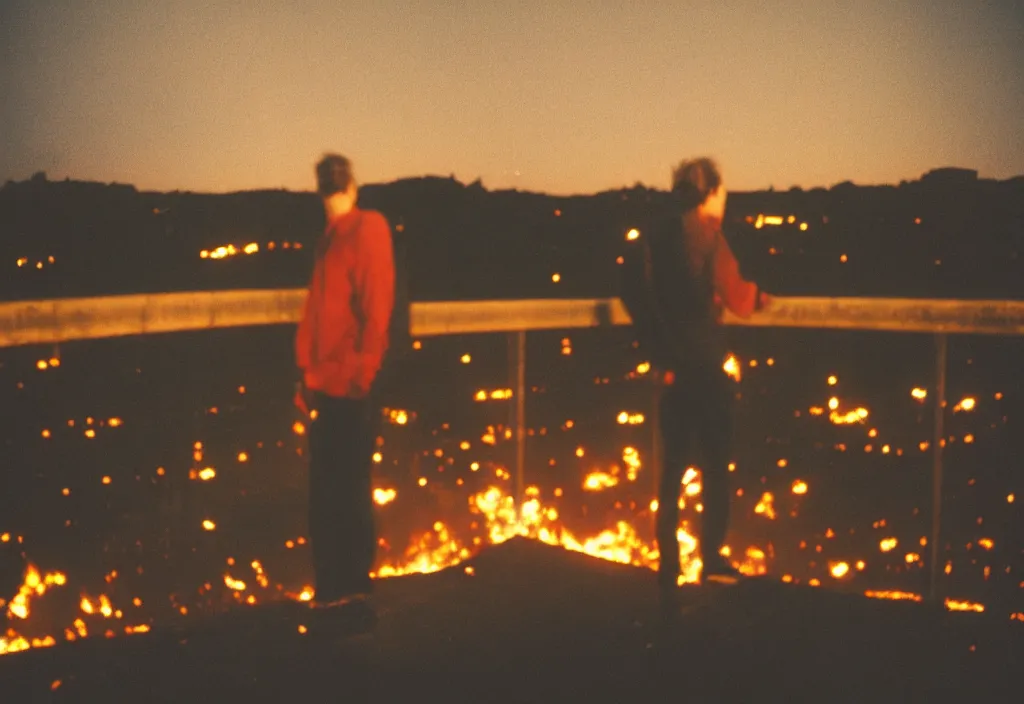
[(341, 527), (696, 430)]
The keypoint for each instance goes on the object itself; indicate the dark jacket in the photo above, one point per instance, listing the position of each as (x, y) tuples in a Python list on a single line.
[(694, 276)]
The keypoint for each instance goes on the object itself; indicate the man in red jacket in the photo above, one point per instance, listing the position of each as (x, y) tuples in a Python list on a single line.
[(340, 346), (693, 276)]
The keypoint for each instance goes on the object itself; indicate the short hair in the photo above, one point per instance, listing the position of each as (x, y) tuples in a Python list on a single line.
[(694, 180), (333, 175)]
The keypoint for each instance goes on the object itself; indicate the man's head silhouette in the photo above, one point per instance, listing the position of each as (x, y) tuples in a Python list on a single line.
[(698, 184), (336, 184)]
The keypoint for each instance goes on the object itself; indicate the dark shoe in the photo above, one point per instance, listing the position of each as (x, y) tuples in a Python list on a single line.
[(720, 571), (349, 616)]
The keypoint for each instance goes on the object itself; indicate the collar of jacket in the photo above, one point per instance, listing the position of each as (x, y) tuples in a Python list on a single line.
[(342, 221)]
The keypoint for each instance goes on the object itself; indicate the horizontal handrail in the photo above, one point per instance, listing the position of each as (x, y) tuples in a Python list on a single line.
[(64, 319)]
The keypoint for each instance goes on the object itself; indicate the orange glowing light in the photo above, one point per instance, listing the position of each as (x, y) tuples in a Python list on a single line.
[(966, 404), (731, 367), (765, 507), (838, 570), (384, 496), (596, 481)]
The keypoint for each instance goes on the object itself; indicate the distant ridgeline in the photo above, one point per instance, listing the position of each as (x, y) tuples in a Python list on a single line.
[(949, 234)]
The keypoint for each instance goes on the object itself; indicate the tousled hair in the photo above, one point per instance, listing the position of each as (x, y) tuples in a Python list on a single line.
[(333, 174), (694, 180)]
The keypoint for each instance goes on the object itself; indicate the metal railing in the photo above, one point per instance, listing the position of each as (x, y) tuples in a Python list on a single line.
[(61, 320)]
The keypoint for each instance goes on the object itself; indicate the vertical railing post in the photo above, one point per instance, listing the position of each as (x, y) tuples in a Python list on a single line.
[(656, 448), (937, 448), (517, 372)]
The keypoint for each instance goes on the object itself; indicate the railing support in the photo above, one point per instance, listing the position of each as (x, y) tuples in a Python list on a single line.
[(656, 447), (517, 372), (937, 448)]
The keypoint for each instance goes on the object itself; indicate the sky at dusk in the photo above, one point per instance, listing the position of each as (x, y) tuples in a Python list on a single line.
[(558, 96)]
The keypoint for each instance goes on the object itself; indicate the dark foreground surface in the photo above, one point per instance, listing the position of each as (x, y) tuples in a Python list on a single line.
[(536, 623)]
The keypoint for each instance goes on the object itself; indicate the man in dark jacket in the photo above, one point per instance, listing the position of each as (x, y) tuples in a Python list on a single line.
[(692, 276)]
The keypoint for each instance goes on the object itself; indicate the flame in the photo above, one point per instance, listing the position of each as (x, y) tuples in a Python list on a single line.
[(33, 585), (732, 367), (625, 418), (384, 496), (893, 595), (838, 569), (234, 584), (966, 404), (960, 605), (631, 458), (765, 507), (596, 481), (856, 415), (439, 548), (494, 395)]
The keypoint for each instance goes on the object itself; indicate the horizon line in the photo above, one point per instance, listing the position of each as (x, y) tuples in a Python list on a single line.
[(452, 177)]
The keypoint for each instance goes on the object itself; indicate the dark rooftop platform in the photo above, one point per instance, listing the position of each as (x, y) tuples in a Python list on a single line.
[(535, 623)]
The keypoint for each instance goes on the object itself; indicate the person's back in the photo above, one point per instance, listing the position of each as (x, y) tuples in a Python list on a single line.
[(683, 287)]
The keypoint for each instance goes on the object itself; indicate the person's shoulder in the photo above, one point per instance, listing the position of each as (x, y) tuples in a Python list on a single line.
[(375, 220)]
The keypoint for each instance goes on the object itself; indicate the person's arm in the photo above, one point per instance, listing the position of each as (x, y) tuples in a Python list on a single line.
[(740, 296), (374, 287)]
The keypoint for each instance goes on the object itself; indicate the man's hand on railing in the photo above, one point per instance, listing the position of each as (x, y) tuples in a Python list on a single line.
[(764, 301)]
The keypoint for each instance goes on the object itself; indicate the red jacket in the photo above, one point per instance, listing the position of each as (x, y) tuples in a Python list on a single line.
[(343, 334)]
